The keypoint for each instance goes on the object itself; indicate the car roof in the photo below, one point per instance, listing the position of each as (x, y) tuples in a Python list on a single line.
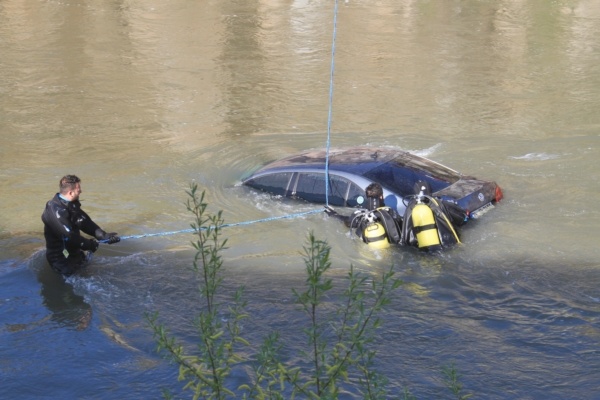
[(357, 160)]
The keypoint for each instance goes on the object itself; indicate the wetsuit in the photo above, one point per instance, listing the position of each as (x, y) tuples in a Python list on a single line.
[(63, 223)]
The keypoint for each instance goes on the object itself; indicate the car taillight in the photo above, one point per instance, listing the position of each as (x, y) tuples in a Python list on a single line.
[(499, 194)]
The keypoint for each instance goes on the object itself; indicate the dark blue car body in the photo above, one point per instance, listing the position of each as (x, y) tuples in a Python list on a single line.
[(351, 170)]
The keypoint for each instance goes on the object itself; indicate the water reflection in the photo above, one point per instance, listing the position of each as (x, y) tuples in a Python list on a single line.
[(68, 308)]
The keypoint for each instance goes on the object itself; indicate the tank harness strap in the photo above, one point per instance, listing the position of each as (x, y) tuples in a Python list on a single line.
[(419, 229), (370, 239)]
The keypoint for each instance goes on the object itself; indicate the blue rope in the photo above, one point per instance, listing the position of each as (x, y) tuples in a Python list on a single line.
[(192, 230), (289, 216), (330, 103)]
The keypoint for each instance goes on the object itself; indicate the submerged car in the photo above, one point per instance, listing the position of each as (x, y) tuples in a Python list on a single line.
[(351, 170)]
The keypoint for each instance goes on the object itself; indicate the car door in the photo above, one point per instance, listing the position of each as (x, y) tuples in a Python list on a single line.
[(277, 183), (310, 186)]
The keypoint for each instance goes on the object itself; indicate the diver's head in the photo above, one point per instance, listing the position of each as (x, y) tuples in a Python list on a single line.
[(374, 194)]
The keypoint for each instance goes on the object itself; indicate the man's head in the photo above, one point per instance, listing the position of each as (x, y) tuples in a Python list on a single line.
[(70, 187), (374, 194), (374, 190)]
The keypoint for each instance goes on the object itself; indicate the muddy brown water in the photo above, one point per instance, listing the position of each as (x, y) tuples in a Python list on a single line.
[(141, 98)]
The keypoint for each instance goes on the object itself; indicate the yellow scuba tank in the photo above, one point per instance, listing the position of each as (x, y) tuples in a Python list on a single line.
[(375, 236), (424, 226)]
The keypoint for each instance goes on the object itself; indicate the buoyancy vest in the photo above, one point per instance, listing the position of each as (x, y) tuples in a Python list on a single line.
[(392, 223)]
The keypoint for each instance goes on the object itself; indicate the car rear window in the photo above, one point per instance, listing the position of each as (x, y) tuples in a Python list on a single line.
[(273, 183), (401, 178)]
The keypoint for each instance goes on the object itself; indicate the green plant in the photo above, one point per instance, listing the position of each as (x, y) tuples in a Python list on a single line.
[(337, 349), (452, 382), (205, 373), (339, 343)]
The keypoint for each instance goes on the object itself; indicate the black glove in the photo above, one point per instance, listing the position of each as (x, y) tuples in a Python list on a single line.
[(90, 244), (110, 238), (113, 238)]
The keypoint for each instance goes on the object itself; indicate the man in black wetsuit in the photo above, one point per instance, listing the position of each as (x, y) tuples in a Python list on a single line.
[(64, 220), (376, 211)]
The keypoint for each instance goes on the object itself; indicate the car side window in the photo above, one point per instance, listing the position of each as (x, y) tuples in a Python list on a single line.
[(273, 183), (354, 192), (311, 187)]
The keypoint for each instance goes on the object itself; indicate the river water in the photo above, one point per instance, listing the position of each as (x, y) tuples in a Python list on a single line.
[(141, 98)]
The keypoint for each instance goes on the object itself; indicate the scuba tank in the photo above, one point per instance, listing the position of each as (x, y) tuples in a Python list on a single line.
[(424, 225), (377, 225), (426, 222), (370, 229), (374, 235)]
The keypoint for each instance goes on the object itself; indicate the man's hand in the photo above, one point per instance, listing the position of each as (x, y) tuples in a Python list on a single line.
[(89, 244), (109, 238), (113, 238)]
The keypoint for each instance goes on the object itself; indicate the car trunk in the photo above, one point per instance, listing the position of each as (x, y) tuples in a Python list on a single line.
[(470, 194)]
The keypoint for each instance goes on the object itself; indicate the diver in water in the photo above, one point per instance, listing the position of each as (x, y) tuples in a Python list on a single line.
[(378, 225), (429, 223), (64, 220)]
